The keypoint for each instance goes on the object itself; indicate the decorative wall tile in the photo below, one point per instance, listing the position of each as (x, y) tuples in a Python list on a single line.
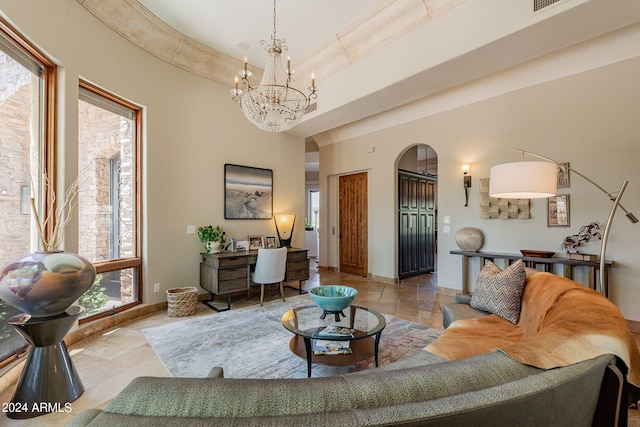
[(495, 208)]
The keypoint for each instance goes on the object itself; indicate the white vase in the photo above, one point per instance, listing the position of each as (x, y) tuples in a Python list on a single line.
[(212, 247), (469, 239)]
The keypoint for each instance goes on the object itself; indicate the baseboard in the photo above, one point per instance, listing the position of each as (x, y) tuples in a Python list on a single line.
[(91, 328), (382, 279), (9, 376)]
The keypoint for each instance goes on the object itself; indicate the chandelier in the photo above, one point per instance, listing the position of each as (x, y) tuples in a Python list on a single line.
[(274, 105)]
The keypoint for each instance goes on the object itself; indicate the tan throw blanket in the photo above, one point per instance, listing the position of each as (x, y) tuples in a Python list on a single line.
[(561, 323)]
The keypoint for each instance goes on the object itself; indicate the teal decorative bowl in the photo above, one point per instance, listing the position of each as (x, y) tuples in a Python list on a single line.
[(333, 298)]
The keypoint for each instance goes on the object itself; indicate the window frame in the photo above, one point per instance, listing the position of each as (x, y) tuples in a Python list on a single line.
[(48, 128), (136, 260)]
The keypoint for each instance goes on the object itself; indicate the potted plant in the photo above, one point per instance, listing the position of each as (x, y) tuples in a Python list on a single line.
[(214, 238)]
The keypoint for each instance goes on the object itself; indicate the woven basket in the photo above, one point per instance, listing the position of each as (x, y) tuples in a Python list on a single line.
[(181, 301)]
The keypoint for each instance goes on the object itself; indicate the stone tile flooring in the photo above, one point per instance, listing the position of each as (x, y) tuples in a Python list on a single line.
[(108, 361)]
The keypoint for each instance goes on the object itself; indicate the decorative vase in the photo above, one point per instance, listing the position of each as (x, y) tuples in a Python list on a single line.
[(212, 247), (469, 239), (45, 284)]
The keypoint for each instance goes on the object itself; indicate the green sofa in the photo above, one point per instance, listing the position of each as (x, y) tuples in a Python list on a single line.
[(489, 390), (460, 380)]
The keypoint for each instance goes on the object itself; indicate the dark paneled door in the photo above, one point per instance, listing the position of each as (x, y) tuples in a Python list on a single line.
[(416, 213), (353, 224)]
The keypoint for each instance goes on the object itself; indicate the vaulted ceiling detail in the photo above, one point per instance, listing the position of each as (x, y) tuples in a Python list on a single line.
[(384, 23)]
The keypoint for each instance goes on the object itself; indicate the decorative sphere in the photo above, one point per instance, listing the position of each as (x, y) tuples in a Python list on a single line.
[(469, 239), (45, 284), (333, 298)]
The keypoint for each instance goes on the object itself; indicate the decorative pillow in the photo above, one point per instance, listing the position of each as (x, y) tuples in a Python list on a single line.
[(500, 292)]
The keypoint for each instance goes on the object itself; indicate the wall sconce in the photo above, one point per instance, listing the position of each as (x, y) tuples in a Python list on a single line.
[(284, 228), (466, 183)]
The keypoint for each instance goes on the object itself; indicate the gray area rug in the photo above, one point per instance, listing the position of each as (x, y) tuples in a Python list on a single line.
[(252, 343)]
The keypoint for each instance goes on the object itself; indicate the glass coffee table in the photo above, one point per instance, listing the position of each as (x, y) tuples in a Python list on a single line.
[(364, 327)]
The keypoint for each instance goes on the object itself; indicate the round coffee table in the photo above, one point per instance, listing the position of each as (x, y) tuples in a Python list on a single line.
[(307, 325)]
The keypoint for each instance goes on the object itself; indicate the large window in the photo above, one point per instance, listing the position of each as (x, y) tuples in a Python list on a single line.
[(109, 198), (27, 81)]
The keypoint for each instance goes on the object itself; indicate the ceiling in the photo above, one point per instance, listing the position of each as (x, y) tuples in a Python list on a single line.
[(211, 38), (378, 63), (223, 24)]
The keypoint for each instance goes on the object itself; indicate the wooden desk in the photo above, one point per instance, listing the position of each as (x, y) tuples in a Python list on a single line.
[(533, 262), (226, 272)]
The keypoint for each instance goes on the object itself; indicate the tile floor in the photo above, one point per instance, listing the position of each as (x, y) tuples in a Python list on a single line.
[(109, 360)]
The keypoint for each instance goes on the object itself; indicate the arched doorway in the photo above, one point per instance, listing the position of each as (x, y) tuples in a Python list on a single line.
[(417, 210)]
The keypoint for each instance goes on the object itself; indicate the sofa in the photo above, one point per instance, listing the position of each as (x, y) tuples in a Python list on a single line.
[(481, 384), (560, 322)]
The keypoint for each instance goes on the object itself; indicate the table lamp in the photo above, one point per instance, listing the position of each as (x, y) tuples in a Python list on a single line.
[(284, 228)]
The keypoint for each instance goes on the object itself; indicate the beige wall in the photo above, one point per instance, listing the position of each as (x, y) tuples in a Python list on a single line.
[(192, 128), (579, 105)]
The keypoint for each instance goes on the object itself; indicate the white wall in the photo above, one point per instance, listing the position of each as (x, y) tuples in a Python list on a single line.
[(192, 128), (578, 105)]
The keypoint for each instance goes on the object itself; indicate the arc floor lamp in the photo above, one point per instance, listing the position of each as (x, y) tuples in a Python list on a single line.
[(536, 180)]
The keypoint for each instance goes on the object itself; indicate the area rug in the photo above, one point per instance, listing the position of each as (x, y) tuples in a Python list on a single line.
[(252, 343)]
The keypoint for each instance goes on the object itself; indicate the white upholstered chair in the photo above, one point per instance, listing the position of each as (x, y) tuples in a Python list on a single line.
[(270, 269)]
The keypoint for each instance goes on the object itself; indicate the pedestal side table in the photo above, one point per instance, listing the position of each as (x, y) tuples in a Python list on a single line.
[(49, 381)]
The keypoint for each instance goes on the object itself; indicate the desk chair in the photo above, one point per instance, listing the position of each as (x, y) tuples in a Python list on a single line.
[(270, 269)]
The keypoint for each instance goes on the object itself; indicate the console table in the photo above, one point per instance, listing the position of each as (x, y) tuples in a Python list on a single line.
[(533, 262), (222, 273)]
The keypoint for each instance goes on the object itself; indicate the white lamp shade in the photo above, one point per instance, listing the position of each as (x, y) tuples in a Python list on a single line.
[(523, 180)]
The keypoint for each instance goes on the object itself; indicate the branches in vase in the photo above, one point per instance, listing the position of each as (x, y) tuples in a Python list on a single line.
[(51, 223)]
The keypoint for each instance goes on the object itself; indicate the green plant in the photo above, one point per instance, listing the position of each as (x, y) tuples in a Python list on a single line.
[(208, 233), (95, 297)]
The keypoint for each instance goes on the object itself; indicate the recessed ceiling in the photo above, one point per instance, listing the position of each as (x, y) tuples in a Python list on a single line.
[(373, 59), (222, 24)]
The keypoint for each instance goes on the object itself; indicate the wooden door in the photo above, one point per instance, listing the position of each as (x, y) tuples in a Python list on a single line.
[(353, 224)]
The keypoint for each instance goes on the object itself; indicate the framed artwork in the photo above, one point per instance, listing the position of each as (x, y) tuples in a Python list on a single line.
[(558, 211), (563, 175), (270, 242), (248, 192), (255, 242)]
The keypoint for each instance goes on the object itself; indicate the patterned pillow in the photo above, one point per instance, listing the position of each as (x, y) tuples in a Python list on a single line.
[(500, 292)]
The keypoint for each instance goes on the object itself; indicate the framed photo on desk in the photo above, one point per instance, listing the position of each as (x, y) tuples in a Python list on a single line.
[(255, 242), (270, 242)]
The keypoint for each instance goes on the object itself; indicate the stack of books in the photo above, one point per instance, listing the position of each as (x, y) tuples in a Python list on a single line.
[(327, 347), (335, 331)]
